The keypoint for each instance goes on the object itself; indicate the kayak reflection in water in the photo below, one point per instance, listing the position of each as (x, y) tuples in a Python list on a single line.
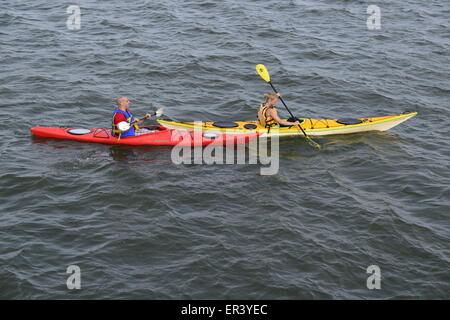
[(268, 114), (123, 114)]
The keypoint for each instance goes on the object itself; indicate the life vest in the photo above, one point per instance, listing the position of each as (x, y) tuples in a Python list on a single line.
[(264, 119), (130, 132)]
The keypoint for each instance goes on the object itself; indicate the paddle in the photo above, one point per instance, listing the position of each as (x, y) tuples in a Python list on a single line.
[(264, 73), (125, 126)]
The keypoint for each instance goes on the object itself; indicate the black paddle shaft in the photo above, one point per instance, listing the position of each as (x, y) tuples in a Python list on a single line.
[(282, 100), (144, 118), (287, 108)]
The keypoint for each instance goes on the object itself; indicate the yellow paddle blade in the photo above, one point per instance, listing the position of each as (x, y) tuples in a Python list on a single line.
[(313, 143), (262, 71)]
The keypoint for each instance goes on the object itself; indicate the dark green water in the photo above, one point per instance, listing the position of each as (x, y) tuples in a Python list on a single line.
[(139, 226)]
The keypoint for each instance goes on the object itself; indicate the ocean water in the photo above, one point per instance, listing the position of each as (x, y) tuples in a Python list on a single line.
[(141, 227)]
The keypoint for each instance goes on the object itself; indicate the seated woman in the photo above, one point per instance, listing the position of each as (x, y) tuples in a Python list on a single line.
[(268, 114)]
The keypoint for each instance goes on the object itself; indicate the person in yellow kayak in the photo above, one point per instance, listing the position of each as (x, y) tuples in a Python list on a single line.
[(123, 114), (268, 114)]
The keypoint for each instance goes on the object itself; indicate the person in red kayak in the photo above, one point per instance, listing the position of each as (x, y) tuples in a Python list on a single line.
[(123, 114), (268, 114)]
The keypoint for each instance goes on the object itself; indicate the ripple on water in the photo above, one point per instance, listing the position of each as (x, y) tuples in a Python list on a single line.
[(141, 227)]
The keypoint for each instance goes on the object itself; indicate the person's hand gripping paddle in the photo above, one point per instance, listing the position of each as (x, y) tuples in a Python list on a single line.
[(264, 73), (125, 126)]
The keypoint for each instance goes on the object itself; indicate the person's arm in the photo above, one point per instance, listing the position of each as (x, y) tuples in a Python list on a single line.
[(274, 114), (147, 116)]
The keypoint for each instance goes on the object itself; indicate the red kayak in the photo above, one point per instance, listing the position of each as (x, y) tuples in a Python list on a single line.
[(156, 136)]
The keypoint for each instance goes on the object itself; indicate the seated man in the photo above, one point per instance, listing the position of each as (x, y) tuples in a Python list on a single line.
[(268, 114), (121, 114)]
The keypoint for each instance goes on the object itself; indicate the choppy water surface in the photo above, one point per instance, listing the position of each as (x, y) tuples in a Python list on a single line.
[(142, 227)]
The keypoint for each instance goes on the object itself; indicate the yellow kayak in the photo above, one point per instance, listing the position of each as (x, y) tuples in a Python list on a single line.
[(312, 127)]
